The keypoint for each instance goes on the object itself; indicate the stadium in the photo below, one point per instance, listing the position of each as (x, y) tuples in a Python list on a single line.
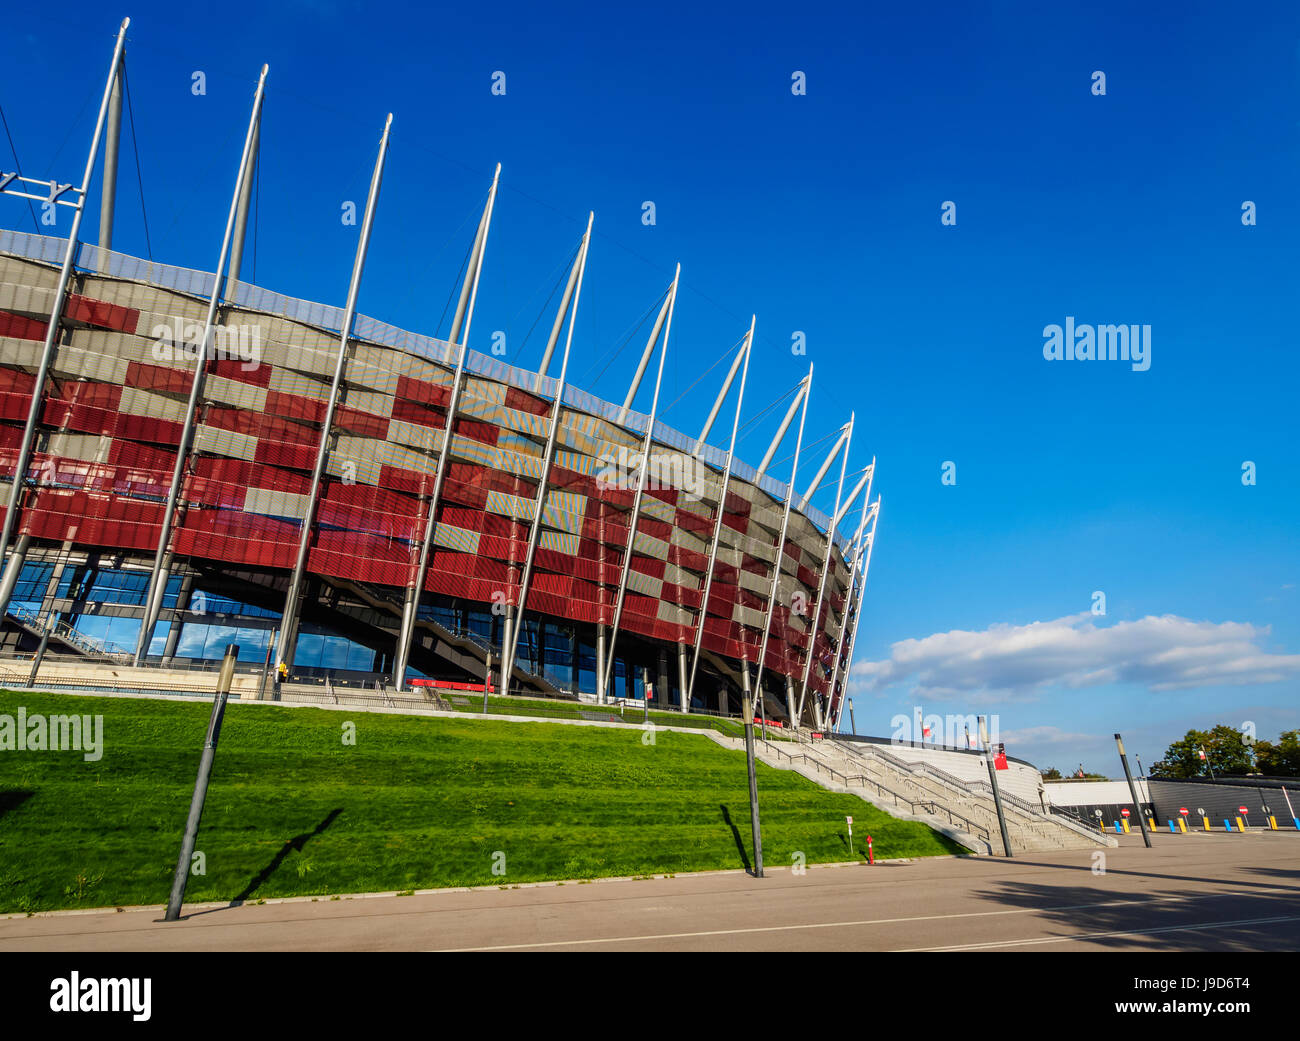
[(192, 460)]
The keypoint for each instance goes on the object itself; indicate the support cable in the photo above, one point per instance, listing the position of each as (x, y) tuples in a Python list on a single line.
[(746, 428), (560, 276), (135, 145), (721, 358), (18, 168), (613, 357)]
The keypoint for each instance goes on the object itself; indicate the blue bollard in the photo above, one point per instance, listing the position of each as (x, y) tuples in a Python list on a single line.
[(1172, 828), (1227, 824)]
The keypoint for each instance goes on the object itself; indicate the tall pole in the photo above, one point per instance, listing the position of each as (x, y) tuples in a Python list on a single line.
[(862, 590), (56, 314), (993, 783), (722, 495), (201, 783), (840, 647), (647, 444), (459, 335), (846, 440), (1132, 790), (806, 393), (158, 576), (289, 618), (241, 217), (785, 423), (108, 192), (756, 830), (508, 652)]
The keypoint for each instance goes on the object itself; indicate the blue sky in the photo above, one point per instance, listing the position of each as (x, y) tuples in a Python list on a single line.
[(822, 214)]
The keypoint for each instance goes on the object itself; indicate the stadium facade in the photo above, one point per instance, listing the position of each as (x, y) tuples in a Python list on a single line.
[(203, 462)]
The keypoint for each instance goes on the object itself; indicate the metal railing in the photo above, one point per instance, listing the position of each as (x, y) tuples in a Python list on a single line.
[(1025, 815), (64, 631), (931, 806)]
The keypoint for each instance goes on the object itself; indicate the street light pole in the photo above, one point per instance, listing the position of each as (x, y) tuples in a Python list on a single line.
[(201, 784), (1132, 790), (756, 829), (993, 783)]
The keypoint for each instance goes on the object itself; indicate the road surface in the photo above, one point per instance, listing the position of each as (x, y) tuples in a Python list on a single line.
[(1196, 892)]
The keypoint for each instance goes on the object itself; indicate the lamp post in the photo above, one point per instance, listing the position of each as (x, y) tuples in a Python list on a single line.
[(1132, 790), (993, 783), (201, 784)]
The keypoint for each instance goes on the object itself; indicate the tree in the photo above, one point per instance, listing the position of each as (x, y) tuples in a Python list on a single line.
[(1228, 752), (1052, 775), (1182, 758), (1281, 759), (1228, 755)]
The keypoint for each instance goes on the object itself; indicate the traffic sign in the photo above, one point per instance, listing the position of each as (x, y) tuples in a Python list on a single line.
[(1200, 811), (1124, 813), (1183, 811), (849, 819), (1242, 809)]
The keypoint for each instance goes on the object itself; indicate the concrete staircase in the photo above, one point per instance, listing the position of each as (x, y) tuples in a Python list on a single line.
[(962, 808)]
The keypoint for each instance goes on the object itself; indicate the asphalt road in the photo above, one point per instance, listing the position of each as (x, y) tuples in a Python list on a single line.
[(1189, 893)]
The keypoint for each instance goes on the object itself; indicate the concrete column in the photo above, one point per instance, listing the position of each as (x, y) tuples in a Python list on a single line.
[(182, 606), (288, 641), (681, 678), (789, 702), (507, 624), (153, 603), (662, 695), (601, 695), (574, 669)]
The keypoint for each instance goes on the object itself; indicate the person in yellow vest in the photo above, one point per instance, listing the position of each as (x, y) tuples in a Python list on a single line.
[(282, 672)]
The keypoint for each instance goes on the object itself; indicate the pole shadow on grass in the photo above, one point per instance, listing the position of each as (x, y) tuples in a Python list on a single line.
[(13, 798), (735, 834), (293, 845)]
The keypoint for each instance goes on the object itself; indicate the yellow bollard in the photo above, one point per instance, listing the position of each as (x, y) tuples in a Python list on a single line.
[(1126, 826), (1240, 826), (1272, 823), (1182, 825), (1152, 821)]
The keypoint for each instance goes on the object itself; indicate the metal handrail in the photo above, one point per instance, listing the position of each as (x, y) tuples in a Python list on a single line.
[(899, 799), (1039, 822)]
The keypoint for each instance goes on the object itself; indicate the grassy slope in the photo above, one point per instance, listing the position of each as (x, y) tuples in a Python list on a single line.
[(416, 803), (562, 709)]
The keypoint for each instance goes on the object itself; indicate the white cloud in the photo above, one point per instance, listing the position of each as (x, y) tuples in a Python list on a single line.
[(1047, 735), (1017, 662)]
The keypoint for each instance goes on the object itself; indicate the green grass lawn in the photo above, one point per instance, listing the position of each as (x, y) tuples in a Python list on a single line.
[(416, 803)]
